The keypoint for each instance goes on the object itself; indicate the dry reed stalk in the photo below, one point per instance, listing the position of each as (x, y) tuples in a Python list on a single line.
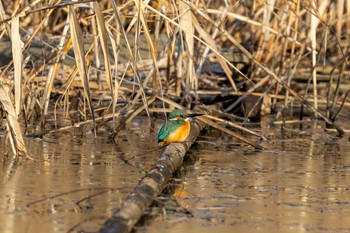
[(78, 46), (53, 71), (17, 45), (347, 22), (312, 35), (185, 20), (13, 128), (72, 75), (115, 40), (178, 57), (268, 9), (3, 18), (133, 62), (97, 51), (153, 51), (63, 49), (339, 25), (157, 30), (212, 37), (239, 127), (316, 15), (283, 66), (292, 70), (102, 33), (209, 40), (137, 59), (291, 73)]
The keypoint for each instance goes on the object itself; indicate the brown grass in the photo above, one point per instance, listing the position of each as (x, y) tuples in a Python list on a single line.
[(131, 51)]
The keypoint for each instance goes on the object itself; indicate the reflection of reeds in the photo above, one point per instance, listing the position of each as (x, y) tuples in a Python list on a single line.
[(132, 50)]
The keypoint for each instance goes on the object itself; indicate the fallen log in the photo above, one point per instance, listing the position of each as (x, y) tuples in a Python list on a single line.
[(151, 185)]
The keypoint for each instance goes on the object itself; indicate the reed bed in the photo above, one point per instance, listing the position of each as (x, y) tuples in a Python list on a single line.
[(101, 60)]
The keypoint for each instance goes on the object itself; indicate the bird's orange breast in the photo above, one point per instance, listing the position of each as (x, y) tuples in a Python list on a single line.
[(180, 134)]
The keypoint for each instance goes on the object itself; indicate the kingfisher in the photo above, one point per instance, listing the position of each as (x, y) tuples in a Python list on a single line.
[(177, 128)]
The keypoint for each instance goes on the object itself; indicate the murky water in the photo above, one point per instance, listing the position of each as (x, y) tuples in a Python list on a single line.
[(301, 184)]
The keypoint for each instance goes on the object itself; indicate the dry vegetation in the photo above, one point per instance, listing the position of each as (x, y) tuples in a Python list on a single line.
[(99, 60)]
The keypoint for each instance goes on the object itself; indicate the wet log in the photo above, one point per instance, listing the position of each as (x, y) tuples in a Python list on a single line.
[(151, 185)]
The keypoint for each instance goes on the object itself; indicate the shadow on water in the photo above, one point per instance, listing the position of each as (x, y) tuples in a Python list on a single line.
[(301, 183)]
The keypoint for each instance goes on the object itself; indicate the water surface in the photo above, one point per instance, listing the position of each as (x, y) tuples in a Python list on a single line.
[(300, 184)]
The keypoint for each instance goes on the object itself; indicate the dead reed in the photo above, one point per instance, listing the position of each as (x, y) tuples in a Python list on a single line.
[(91, 57)]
